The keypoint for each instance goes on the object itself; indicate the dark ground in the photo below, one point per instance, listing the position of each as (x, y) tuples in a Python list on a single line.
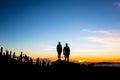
[(14, 69)]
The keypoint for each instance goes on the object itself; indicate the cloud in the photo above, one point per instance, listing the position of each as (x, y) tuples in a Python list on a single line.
[(108, 41), (112, 38), (97, 31), (104, 32), (117, 4)]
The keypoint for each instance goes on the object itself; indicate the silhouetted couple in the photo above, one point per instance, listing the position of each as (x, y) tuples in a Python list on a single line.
[(66, 51)]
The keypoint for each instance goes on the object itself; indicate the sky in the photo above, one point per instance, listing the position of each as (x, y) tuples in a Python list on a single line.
[(90, 27)]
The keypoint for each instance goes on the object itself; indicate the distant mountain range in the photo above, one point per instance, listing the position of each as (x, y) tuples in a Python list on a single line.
[(103, 64)]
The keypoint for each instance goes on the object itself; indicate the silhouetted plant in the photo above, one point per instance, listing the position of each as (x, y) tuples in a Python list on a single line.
[(14, 55), (26, 58), (20, 58), (43, 63), (48, 64), (31, 61), (1, 51), (40, 63), (7, 53), (37, 61), (10, 54)]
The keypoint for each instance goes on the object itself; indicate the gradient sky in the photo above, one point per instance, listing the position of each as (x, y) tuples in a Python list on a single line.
[(90, 27)]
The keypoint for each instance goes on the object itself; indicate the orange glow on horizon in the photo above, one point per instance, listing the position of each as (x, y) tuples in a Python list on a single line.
[(82, 57), (87, 59)]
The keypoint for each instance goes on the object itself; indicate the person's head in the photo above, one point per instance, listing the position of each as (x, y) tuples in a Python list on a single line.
[(58, 42), (66, 44)]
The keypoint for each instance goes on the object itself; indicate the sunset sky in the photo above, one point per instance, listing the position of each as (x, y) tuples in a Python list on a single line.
[(90, 27)]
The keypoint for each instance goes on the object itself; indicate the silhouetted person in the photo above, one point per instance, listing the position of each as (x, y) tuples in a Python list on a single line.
[(59, 50), (66, 52)]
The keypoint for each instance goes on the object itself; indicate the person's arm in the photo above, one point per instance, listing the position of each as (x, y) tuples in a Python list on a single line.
[(57, 48), (69, 50), (61, 48)]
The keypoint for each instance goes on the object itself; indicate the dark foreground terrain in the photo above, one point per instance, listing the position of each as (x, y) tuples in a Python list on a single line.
[(57, 70)]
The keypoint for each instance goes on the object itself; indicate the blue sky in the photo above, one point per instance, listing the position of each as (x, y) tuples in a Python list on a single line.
[(90, 27)]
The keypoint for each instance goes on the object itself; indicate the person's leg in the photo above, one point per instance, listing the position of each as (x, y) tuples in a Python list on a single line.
[(68, 58), (65, 58), (59, 55)]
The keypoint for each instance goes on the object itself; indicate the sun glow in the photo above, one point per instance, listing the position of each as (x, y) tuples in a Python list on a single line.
[(80, 61)]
